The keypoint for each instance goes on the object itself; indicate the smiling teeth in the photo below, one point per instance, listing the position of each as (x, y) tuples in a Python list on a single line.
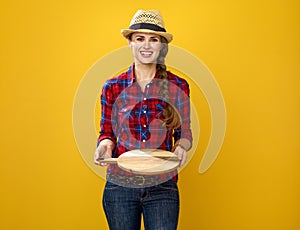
[(146, 53)]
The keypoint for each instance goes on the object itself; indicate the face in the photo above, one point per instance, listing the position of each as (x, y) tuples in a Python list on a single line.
[(145, 47)]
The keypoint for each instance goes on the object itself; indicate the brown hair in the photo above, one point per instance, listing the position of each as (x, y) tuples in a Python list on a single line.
[(171, 117)]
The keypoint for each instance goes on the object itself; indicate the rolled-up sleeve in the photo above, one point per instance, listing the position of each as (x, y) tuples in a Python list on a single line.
[(107, 102), (183, 107)]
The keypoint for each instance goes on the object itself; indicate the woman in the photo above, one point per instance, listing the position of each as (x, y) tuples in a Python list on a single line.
[(146, 107)]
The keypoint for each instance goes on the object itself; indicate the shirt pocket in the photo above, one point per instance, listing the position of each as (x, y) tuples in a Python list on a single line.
[(124, 113)]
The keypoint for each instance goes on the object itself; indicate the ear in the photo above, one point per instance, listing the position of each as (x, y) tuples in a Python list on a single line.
[(129, 43)]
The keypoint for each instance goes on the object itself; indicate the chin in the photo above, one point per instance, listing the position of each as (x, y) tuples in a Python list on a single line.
[(147, 61)]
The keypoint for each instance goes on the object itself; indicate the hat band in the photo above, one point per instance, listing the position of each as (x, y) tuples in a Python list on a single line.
[(148, 26)]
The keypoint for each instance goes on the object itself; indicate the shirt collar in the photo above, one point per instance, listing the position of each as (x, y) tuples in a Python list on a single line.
[(131, 75)]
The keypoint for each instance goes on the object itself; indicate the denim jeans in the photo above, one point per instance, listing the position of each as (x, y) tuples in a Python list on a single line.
[(124, 206)]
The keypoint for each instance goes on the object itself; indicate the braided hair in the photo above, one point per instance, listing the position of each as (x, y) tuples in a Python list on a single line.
[(171, 117)]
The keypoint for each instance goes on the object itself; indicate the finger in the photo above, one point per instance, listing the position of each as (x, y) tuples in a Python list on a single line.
[(183, 160), (97, 162), (102, 152), (97, 156), (178, 152), (182, 156)]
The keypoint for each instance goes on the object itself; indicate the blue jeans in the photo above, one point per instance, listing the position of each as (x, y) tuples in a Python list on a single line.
[(124, 206)]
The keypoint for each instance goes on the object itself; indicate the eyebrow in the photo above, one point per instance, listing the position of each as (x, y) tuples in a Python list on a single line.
[(154, 36)]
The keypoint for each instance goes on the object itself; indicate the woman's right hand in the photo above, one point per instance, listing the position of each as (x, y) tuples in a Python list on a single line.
[(104, 150)]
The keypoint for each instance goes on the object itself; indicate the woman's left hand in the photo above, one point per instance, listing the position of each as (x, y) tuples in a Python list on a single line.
[(181, 154)]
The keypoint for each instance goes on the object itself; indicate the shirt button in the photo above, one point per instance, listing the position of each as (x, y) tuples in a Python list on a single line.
[(145, 111), (144, 140), (145, 126), (145, 99)]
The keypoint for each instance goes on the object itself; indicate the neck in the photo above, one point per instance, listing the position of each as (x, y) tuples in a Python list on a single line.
[(145, 72)]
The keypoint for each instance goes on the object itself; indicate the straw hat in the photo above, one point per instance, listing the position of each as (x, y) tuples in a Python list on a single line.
[(147, 21)]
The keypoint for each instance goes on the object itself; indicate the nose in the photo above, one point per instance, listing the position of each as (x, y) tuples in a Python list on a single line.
[(147, 44)]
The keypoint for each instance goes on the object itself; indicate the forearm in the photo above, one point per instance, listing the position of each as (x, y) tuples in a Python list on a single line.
[(183, 143), (106, 141)]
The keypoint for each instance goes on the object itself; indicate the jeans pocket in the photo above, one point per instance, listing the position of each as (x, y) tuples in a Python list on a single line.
[(111, 186), (169, 185)]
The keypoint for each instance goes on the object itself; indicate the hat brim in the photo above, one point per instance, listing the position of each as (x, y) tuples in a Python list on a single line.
[(127, 32)]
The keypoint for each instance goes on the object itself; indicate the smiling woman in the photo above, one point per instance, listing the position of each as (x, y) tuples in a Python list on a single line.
[(146, 107), (145, 47)]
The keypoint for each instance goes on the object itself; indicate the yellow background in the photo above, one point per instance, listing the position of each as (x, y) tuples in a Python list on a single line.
[(251, 47)]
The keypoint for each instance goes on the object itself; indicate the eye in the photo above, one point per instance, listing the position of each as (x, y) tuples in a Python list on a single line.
[(154, 40), (139, 39)]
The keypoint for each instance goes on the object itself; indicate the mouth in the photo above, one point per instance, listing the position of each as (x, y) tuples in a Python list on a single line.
[(146, 54)]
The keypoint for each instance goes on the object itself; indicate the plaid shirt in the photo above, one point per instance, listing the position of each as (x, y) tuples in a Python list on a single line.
[(133, 119)]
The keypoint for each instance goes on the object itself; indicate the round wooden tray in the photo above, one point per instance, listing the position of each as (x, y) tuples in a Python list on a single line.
[(146, 161)]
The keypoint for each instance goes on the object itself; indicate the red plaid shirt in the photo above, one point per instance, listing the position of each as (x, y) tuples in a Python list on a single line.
[(133, 119)]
